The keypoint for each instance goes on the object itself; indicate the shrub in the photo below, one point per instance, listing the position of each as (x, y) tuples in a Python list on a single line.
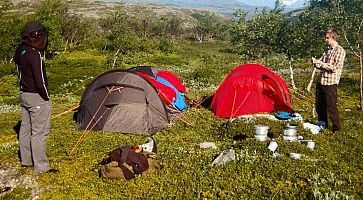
[(166, 44)]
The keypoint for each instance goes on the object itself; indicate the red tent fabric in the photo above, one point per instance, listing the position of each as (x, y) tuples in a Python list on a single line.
[(166, 93), (249, 89), (174, 80)]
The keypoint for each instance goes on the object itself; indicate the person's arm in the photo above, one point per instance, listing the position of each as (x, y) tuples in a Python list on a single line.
[(38, 75), (317, 61), (336, 62)]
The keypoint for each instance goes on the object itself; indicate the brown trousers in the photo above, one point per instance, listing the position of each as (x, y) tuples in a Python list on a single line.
[(326, 104)]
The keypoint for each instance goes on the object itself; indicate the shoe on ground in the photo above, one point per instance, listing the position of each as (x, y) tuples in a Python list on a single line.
[(26, 165), (51, 171), (4, 189)]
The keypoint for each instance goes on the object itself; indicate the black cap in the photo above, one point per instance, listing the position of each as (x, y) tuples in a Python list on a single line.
[(33, 28)]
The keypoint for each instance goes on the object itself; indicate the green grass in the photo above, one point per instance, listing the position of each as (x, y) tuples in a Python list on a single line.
[(17, 194), (333, 170)]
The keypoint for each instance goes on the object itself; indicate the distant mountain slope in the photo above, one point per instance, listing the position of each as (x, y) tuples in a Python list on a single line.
[(231, 4), (290, 4), (227, 7)]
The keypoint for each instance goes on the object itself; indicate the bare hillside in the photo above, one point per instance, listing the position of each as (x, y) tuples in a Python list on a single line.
[(97, 9)]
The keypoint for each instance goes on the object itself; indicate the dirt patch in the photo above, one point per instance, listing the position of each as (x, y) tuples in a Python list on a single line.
[(11, 177)]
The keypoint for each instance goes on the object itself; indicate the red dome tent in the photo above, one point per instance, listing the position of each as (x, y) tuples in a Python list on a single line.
[(249, 89)]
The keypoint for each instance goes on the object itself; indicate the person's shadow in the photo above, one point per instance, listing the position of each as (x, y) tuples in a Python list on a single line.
[(16, 128)]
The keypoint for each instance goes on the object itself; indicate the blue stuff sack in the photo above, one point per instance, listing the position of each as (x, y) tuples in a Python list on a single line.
[(179, 102), (284, 116)]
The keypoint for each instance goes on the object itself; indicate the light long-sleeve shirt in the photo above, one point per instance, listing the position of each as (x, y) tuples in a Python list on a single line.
[(332, 66)]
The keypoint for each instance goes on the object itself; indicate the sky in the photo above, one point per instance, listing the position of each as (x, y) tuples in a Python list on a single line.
[(288, 2)]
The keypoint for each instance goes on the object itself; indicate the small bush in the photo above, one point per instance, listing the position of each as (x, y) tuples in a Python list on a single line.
[(166, 45)]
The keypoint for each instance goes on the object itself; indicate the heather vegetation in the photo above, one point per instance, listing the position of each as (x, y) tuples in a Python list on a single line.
[(87, 39)]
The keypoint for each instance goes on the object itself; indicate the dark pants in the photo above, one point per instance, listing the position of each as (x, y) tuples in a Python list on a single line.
[(326, 105)]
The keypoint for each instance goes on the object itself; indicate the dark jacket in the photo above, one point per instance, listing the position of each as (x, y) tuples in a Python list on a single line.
[(31, 71)]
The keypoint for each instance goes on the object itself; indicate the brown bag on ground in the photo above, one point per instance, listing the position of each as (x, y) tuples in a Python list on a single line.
[(126, 163), (111, 170)]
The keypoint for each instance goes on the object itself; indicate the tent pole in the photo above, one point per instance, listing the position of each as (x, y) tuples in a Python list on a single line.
[(243, 102), (234, 101)]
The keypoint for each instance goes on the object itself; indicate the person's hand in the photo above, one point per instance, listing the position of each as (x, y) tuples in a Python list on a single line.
[(315, 61)]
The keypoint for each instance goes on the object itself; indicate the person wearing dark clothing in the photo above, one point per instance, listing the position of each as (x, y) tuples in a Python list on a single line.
[(34, 98)]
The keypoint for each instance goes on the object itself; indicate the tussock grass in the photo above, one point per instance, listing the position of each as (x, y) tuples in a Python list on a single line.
[(333, 170)]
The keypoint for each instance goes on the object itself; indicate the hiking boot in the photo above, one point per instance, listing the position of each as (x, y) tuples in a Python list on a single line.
[(337, 131), (4, 189), (26, 166), (50, 171)]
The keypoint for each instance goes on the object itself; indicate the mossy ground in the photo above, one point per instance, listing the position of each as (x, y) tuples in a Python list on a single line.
[(333, 170)]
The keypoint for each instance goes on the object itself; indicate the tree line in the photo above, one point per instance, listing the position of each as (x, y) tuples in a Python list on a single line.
[(297, 34), (113, 32)]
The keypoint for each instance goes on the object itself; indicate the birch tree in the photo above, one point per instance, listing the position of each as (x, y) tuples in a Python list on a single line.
[(299, 37)]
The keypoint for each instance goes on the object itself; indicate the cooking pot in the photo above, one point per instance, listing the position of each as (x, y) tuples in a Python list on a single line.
[(261, 130)]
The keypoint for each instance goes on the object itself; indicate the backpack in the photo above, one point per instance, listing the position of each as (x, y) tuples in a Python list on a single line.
[(125, 163)]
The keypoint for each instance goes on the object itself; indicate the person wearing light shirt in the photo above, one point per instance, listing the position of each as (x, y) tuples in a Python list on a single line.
[(330, 66)]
